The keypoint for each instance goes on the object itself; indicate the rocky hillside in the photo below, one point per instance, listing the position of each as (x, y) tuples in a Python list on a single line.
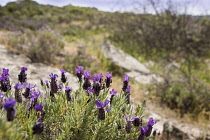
[(168, 127)]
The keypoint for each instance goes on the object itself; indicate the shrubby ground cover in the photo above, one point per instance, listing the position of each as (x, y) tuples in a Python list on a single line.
[(94, 111), (177, 45)]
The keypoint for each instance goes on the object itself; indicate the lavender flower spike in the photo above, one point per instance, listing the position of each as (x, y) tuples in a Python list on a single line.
[(63, 77), (67, 91), (9, 107), (34, 96), (137, 121), (38, 107), (5, 72), (4, 80), (150, 124), (53, 84), (108, 80), (86, 74), (126, 78), (96, 78), (39, 111), (18, 96), (129, 123), (38, 128), (113, 92), (100, 105), (86, 83), (23, 76), (79, 72), (143, 130), (125, 82)]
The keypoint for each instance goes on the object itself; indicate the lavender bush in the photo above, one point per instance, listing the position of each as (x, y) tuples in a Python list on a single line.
[(69, 114)]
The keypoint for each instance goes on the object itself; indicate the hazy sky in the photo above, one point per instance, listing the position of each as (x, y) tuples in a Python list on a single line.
[(195, 7)]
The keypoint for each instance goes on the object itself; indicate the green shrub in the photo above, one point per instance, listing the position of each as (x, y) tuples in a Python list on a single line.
[(75, 119), (39, 46), (185, 92)]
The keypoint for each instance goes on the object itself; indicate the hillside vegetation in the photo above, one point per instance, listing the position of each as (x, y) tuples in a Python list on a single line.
[(177, 46)]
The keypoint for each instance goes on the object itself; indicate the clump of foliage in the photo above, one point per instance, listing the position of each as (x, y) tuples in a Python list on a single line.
[(186, 92), (59, 112), (40, 46)]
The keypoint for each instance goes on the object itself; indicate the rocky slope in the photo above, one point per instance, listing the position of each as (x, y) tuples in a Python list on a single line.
[(36, 71)]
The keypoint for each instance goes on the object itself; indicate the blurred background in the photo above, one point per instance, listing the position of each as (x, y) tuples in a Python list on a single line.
[(170, 38)]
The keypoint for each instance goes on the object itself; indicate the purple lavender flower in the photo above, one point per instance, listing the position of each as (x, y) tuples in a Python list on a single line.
[(60, 86), (53, 84), (113, 92), (96, 88), (68, 95), (108, 80), (18, 96), (151, 122), (38, 128), (9, 103), (28, 85), (38, 107), (97, 85), (18, 86), (86, 74), (125, 83), (96, 78), (4, 80), (129, 123), (63, 77), (5, 72), (108, 109), (126, 78), (109, 75), (1, 95), (23, 76), (143, 130), (24, 69), (53, 76), (86, 83), (89, 90), (79, 72), (9, 107), (34, 95), (62, 71), (100, 105), (128, 90), (137, 121)]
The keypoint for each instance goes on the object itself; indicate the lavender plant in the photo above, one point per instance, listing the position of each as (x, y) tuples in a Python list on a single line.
[(72, 114)]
